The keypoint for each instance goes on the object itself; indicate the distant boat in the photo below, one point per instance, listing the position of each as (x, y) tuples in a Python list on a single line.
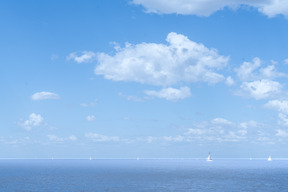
[(90, 158), (250, 158), (209, 158), (269, 158)]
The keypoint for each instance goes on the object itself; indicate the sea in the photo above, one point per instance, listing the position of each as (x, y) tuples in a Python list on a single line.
[(125, 175)]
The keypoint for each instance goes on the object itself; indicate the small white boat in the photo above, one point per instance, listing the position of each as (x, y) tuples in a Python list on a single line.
[(269, 158), (209, 158), (90, 158)]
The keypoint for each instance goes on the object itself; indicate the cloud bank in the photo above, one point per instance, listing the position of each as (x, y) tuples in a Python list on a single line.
[(271, 8)]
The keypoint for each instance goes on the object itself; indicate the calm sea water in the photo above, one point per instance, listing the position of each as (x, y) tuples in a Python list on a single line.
[(143, 175)]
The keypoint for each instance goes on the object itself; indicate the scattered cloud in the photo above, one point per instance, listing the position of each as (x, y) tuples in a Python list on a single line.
[(229, 81), (282, 107), (261, 89), (170, 93), (281, 133), (250, 71), (181, 60), (286, 61), (44, 96), (57, 139), (279, 105), (101, 138), (283, 119), (90, 118), (131, 97), (33, 121), (271, 8), (54, 57), (248, 124), (222, 130), (82, 57), (246, 71), (221, 121), (91, 104)]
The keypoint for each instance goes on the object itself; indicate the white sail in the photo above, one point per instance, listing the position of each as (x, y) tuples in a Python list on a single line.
[(269, 158), (209, 158)]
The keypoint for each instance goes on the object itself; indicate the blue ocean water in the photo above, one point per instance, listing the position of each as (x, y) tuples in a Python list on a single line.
[(143, 175)]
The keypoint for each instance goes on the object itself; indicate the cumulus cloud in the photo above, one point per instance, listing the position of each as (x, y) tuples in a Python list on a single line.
[(250, 71), (246, 70), (101, 138), (82, 57), (44, 95), (261, 89), (33, 121), (181, 60), (279, 105), (271, 8), (171, 93)]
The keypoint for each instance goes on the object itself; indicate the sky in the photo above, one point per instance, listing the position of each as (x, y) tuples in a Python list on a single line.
[(143, 78)]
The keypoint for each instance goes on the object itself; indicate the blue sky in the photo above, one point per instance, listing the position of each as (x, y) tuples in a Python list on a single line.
[(140, 78)]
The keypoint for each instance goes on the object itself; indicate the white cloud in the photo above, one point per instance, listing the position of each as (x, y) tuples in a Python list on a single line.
[(193, 131), (230, 81), (248, 124), (72, 138), (91, 104), (222, 130), (33, 121), (281, 133), (55, 138), (261, 89), (171, 93), (286, 61), (270, 8), (281, 106), (221, 121), (274, 7), (90, 118), (270, 72), (131, 97), (243, 132), (101, 138), (44, 95), (246, 70), (83, 57), (182, 60), (283, 119), (250, 71)]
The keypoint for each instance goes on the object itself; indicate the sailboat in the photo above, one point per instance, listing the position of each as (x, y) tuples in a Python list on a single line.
[(209, 158), (269, 158)]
